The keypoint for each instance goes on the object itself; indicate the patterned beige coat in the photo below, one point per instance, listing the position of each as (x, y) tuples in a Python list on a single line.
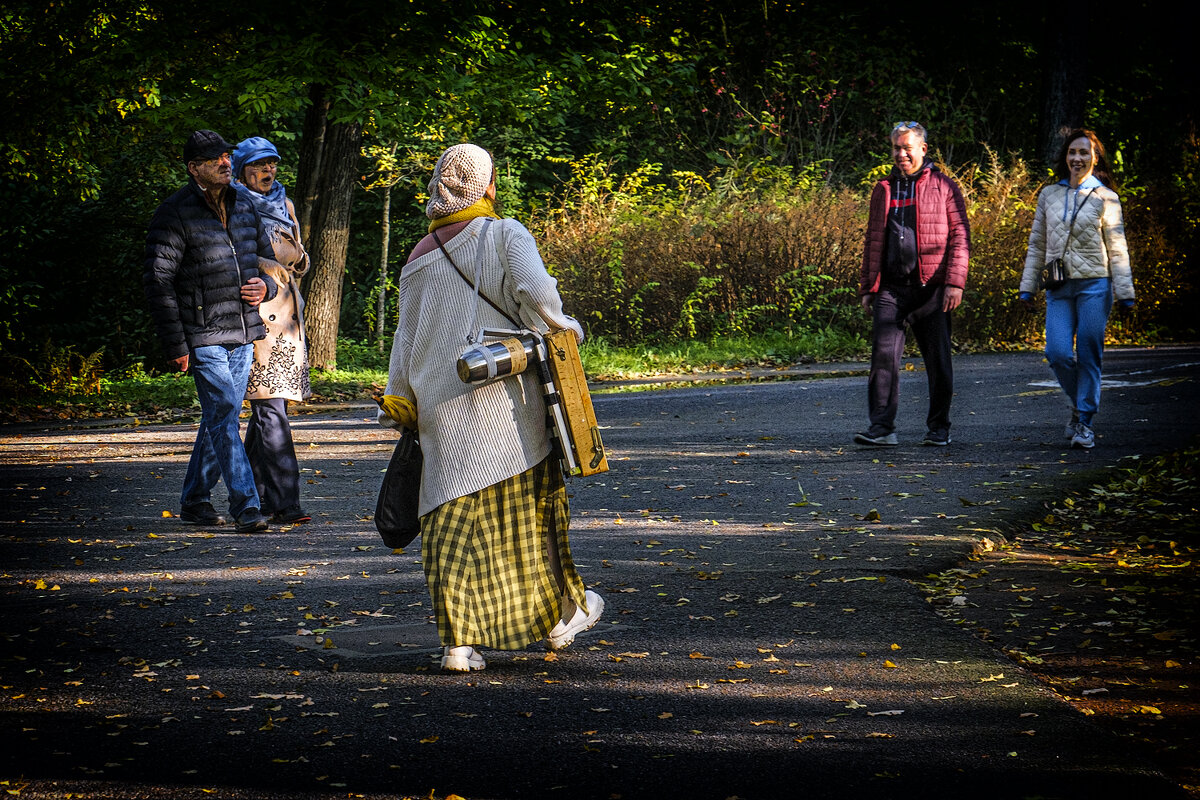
[(1097, 248), (280, 366)]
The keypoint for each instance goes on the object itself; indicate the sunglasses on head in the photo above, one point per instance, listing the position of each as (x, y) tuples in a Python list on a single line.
[(904, 125)]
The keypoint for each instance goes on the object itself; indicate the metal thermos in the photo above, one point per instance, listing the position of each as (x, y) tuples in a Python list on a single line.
[(485, 362)]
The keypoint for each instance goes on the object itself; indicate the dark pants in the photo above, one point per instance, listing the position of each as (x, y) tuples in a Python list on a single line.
[(919, 308), (273, 455)]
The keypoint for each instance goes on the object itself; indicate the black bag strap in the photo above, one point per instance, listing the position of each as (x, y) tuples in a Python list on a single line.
[(478, 292)]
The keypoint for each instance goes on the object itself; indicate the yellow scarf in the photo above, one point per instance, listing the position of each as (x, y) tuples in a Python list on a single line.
[(482, 207)]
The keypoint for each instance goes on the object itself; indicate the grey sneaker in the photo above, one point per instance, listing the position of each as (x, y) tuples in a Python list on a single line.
[(1084, 437), (882, 440), (1069, 431), (936, 439)]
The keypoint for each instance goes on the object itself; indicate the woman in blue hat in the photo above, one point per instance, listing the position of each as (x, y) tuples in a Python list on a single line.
[(279, 371)]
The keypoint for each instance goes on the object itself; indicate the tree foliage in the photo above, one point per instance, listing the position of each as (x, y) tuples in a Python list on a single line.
[(101, 94)]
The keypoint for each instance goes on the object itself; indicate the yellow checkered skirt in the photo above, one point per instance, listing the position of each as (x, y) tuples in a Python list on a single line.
[(488, 565)]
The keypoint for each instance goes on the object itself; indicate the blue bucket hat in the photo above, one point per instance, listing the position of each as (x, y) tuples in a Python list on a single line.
[(249, 150)]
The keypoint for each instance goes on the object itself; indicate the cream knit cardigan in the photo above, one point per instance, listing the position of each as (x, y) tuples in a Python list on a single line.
[(472, 436), (1097, 248)]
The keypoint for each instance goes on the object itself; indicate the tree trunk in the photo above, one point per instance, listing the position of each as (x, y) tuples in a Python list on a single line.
[(312, 151), (381, 309), (330, 240), (1066, 78)]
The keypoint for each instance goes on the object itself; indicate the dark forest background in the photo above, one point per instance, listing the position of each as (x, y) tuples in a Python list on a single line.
[(691, 169)]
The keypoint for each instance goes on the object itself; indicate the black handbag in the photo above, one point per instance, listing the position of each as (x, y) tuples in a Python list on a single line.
[(1054, 274), (396, 510)]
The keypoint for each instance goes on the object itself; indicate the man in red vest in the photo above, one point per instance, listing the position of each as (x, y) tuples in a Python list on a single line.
[(913, 273)]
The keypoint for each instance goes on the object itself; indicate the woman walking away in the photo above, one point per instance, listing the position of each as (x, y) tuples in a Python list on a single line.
[(493, 505), (279, 372), (1079, 222)]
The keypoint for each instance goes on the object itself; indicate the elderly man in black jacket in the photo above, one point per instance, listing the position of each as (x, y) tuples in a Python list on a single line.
[(203, 286)]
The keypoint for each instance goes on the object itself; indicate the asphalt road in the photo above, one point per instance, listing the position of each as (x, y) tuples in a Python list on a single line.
[(761, 639)]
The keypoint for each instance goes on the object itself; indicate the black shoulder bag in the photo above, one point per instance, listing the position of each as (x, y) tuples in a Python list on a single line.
[(396, 509)]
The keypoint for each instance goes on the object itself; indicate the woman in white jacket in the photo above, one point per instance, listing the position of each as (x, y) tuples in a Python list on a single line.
[(1079, 220), (493, 505)]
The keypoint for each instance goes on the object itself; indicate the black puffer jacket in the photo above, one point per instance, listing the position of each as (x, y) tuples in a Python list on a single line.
[(195, 268)]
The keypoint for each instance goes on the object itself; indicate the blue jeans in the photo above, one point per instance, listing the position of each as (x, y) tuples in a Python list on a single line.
[(1076, 316), (221, 373)]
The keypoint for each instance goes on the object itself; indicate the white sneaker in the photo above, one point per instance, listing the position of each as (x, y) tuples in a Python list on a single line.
[(564, 632), (462, 659)]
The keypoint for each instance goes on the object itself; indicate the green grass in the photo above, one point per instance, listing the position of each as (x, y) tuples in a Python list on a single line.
[(362, 372)]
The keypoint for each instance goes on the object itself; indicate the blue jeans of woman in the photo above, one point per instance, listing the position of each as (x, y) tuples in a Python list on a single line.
[(1076, 317), (221, 373)]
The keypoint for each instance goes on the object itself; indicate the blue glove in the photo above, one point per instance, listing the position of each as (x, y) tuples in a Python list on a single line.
[(1127, 304), (1025, 297)]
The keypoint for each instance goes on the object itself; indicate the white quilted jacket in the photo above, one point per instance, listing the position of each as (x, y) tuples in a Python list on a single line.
[(1097, 248)]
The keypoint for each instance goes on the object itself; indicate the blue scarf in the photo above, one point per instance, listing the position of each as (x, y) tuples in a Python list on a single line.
[(272, 205)]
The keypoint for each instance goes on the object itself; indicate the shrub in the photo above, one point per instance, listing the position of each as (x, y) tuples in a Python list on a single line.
[(658, 262)]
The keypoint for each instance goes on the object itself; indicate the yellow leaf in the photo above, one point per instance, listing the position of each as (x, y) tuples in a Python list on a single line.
[(764, 722), (429, 740), (1171, 664), (167, 515), (895, 647), (888, 664), (665, 715), (40, 584), (698, 654), (1146, 710)]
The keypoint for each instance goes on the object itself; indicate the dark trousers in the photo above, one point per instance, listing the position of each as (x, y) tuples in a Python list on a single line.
[(273, 455), (919, 308)]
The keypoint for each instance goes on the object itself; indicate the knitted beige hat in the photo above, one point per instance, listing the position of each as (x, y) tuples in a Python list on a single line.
[(460, 178)]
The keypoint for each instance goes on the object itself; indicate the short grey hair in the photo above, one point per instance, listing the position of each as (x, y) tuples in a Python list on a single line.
[(915, 128)]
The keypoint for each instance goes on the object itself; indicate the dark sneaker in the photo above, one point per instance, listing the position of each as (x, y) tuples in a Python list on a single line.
[(1084, 437), (201, 514), (290, 516), (936, 439), (251, 521), (882, 440)]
